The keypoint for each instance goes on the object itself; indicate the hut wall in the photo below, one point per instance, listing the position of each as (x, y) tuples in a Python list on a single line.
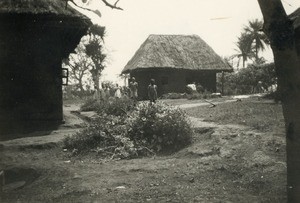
[(31, 52), (170, 80)]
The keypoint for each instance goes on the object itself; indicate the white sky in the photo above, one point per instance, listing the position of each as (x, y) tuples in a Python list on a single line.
[(218, 22)]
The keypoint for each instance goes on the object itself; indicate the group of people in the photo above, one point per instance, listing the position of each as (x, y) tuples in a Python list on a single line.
[(116, 91), (152, 90)]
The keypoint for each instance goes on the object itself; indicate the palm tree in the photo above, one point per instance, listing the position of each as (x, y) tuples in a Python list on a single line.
[(257, 38), (244, 50)]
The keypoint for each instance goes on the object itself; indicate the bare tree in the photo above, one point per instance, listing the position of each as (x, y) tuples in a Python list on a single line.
[(281, 33), (79, 65)]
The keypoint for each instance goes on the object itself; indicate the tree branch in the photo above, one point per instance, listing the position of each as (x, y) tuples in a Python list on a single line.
[(277, 26), (81, 6), (113, 6)]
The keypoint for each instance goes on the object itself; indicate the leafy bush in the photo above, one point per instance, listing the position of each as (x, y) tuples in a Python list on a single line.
[(253, 79), (143, 130), (116, 106), (200, 89), (273, 95), (89, 105), (106, 135), (160, 128), (111, 106)]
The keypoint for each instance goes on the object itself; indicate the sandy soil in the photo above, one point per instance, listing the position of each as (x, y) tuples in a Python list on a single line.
[(225, 163)]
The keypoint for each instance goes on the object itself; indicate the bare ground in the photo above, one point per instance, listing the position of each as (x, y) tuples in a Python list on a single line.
[(225, 163)]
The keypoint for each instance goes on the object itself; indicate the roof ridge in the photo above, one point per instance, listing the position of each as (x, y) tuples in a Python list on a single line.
[(176, 51)]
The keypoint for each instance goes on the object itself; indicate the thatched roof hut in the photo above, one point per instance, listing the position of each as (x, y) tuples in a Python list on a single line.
[(35, 36), (185, 57), (44, 7), (188, 52)]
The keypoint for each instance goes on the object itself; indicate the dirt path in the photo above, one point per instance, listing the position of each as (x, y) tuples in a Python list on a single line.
[(49, 138), (225, 163)]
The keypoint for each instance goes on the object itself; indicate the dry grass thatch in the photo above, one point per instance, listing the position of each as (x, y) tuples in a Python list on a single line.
[(176, 51), (55, 7)]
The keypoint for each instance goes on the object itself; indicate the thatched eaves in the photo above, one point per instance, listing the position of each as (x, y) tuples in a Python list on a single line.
[(188, 52), (38, 7), (295, 17)]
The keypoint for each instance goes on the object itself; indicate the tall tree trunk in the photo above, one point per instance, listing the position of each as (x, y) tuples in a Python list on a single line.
[(280, 31), (256, 52)]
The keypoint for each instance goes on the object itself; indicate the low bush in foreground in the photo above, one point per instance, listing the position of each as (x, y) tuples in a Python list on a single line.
[(89, 105), (160, 128), (144, 130)]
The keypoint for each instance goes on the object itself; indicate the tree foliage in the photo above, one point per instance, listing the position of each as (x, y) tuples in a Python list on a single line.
[(243, 49), (89, 60), (253, 79), (95, 50), (78, 65), (251, 41), (258, 40)]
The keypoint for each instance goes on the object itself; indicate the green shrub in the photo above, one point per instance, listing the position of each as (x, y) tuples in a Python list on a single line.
[(105, 135), (111, 106), (273, 95), (204, 95), (89, 105), (116, 106), (253, 79), (200, 88), (144, 130), (160, 128)]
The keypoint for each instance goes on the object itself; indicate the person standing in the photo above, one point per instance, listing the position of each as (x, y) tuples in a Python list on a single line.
[(133, 85), (152, 91), (118, 92)]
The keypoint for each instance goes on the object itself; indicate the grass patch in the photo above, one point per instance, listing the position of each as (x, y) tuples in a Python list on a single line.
[(260, 115)]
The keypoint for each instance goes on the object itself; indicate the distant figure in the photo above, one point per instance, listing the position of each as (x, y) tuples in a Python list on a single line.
[(152, 91), (133, 85), (118, 91), (96, 95), (107, 91)]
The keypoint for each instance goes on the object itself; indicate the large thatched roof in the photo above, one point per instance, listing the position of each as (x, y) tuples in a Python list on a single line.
[(54, 7), (176, 51), (295, 17)]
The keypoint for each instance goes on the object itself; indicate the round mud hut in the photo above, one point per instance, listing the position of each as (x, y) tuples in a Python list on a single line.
[(175, 61), (35, 36)]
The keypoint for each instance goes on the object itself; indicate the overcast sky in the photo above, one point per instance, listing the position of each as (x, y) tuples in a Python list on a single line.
[(218, 22)]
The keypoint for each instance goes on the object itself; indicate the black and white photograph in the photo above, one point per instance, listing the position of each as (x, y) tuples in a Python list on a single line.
[(149, 101)]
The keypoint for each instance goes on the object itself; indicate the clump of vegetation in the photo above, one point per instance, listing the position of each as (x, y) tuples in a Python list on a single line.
[(197, 95), (112, 106), (115, 106), (106, 135), (142, 131), (273, 95), (160, 128), (253, 79), (89, 105)]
